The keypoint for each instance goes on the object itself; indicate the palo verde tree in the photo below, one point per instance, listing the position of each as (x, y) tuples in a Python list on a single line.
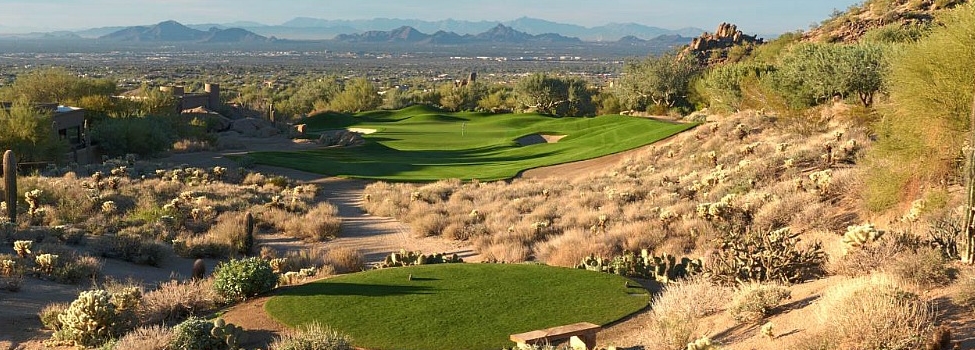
[(662, 81), (357, 95), (56, 85), (928, 118)]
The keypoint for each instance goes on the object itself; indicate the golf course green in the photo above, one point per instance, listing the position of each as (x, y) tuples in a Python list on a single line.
[(456, 306), (420, 143)]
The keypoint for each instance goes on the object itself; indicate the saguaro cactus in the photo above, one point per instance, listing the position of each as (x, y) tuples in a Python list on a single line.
[(10, 184)]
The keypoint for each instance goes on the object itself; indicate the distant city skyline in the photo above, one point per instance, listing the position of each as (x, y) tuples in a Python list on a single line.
[(752, 16)]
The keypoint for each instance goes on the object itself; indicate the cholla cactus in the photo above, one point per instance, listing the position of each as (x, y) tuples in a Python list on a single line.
[(914, 214), (22, 248), (704, 343), (415, 196), (822, 180), (46, 262), (789, 163), (33, 199), (767, 331), (859, 235), (7, 267), (741, 131), (750, 148), (109, 207), (90, 320), (782, 147)]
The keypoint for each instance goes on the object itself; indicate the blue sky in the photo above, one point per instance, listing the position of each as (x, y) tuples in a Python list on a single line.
[(761, 16)]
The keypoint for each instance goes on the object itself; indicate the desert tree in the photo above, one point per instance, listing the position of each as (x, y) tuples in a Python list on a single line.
[(357, 95), (656, 81)]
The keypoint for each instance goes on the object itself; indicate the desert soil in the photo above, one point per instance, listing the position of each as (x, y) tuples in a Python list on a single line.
[(376, 237)]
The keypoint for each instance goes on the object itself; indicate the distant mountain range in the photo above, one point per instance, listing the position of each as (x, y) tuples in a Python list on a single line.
[(304, 28), (172, 31), (499, 34)]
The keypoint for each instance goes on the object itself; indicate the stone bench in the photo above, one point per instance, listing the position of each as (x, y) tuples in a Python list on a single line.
[(585, 332)]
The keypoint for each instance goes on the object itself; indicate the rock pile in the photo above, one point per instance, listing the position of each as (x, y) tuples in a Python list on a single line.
[(713, 48)]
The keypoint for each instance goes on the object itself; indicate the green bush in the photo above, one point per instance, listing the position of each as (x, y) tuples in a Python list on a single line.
[(238, 279), (49, 315), (312, 337), (754, 301), (194, 334), (145, 136)]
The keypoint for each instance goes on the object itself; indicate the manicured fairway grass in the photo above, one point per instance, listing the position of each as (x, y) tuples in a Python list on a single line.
[(422, 144), (456, 306)]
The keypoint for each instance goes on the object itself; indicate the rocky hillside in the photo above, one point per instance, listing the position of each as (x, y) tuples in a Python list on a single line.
[(718, 47), (851, 25)]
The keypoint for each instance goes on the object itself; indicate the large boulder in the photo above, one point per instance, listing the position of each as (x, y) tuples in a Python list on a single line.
[(248, 127), (341, 138)]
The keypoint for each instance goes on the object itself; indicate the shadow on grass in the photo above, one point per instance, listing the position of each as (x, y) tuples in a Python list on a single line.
[(368, 290)]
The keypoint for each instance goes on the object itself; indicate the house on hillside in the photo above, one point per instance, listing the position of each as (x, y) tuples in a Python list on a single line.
[(70, 125), (209, 98)]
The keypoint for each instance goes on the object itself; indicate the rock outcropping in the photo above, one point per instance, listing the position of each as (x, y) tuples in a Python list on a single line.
[(714, 48)]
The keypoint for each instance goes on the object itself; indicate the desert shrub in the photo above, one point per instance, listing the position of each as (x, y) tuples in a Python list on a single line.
[(49, 315), (131, 248), (77, 270), (199, 247), (175, 300), (867, 258), (723, 84), (924, 267), (194, 334), (98, 316), (755, 301), (313, 336), (345, 260), (319, 224), (964, 291), (231, 229), (766, 256), (238, 279), (674, 319), (146, 338), (874, 313)]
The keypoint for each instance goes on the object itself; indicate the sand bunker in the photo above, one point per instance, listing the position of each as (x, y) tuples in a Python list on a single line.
[(362, 130), (535, 139)]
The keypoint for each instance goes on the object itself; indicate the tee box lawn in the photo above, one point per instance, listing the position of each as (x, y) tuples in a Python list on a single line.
[(456, 306)]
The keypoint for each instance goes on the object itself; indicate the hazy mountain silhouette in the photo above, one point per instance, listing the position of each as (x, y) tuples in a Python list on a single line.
[(172, 31)]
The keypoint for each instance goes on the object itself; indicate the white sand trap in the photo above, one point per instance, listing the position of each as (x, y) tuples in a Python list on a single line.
[(362, 130), (535, 139)]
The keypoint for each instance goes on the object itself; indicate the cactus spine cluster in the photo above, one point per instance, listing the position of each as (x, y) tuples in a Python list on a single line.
[(10, 184), (229, 333)]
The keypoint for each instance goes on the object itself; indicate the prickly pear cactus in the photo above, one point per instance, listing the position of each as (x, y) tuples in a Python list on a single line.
[(231, 334)]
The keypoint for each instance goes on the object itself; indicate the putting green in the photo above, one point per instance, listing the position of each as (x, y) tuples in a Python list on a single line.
[(422, 144), (456, 306)]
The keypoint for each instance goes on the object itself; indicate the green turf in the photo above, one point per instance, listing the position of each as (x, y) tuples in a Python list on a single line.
[(456, 306), (422, 144)]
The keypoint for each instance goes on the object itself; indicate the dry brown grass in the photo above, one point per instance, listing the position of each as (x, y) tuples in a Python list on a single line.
[(146, 338), (674, 321), (345, 260), (174, 300)]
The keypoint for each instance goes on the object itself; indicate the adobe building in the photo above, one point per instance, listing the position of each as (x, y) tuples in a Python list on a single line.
[(209, 99)]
